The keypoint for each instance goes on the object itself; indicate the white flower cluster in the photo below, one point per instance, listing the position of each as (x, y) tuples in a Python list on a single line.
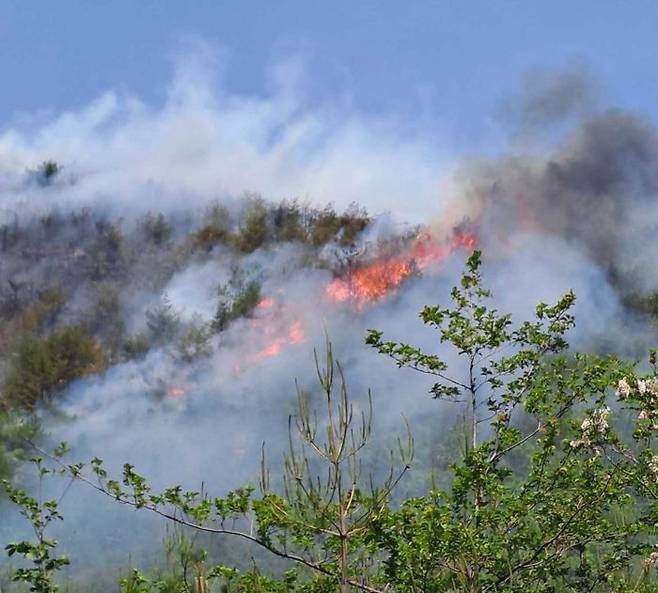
[(624, 390), (653, 466), (594, 426), (648, 386), (651, 560), (648, 390), (644, 386), (597, 422)]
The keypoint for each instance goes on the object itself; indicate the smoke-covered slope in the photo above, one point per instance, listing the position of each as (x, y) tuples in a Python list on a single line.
[(170, 336)]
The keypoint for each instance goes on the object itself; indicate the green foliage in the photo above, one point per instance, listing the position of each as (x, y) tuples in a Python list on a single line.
[(184, 555), (136, 347), (15, 431), (106, 319), (576, 515), (108, 251), (288, 223), (254, 232), (208, 236), (236, 300), (314, 517), (233, 581), (43, 367), (215, 231), (42, 314), (547, 524), (184, 573), (40, 553), (194, 342), (162, 323), (135, 582), (46, 172), (353, 221), (156, 229), (328, 225), (556, 490)]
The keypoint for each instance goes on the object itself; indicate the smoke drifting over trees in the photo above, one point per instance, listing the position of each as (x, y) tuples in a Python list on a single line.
[(169, 336)]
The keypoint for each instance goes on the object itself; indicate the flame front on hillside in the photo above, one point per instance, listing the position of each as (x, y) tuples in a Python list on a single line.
[(359, 287), (371, 282), (294, 335)]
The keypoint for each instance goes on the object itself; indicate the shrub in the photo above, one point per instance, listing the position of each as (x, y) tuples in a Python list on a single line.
[(254, 232), (162, 323), (233, 306), (156, 229), (45, 366), (547, 496), (288, 224)]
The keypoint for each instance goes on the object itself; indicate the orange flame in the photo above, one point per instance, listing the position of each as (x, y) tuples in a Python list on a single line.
[(361, 286), (380, 278), (371, 282), (294, 335), (176, 392)]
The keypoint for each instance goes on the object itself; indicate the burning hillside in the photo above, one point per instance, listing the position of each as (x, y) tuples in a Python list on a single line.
[(363, 284), (213, 309), (359, 287)]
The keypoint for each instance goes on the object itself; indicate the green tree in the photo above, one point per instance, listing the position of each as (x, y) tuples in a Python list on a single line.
[(194, 342), (39, 574), (288, 223), (156, 229), (236, 300), (43, 367), (136, 347), (215, 231), (353, 221), (540, 501), (254, 232), (15, 431), (325, 226), (42, 314), (47, 172), (556, 490), (162, 323), (320, 522), (208, 236), (106, 318), (108, 251)]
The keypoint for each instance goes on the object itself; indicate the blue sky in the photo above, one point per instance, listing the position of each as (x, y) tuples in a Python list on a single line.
[(444, 63)]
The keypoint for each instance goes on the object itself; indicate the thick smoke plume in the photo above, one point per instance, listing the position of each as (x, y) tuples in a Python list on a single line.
[(576, 213), (203, 143), (594, 185)]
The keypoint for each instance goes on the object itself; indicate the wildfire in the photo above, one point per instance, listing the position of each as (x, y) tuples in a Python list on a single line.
[(373, 281), (362, 285), (176, 392), (294, 335), (265, 304)]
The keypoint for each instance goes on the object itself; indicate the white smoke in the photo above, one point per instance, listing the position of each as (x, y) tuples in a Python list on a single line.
[(202, 144)]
